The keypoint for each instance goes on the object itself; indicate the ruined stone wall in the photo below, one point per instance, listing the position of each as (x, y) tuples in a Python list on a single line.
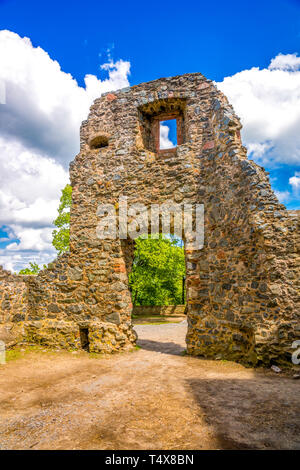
[(58, 306), (13, 306), (13, 297), (249, 270), (242, 287)]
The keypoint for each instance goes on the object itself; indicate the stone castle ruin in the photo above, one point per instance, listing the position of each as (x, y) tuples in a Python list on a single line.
[(242, 287)]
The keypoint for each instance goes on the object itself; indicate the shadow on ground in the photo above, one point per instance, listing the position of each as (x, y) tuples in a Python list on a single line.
[(237, 409), (159, 346)]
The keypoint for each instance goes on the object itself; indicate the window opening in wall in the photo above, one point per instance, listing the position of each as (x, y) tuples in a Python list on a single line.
[(167, 134), (99, 142)]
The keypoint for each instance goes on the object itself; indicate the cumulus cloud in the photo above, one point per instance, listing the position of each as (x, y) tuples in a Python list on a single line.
[(29, 185), (294, 181), (268, 103), (285, 62), (283, 196), (44, 105), (165, 142), (41, 109), (288, 196), (32, 240)]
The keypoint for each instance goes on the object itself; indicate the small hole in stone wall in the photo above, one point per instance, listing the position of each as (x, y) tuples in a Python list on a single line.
[(84, 339), (99, 142), (167, 134)]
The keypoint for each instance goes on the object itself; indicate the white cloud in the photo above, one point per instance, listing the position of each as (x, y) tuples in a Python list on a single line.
[(285, 62), (268, 103), (165, 142), (294, 181), (258, 149), (288, 196), (30, 185), (14, 260), (32, 239), (39, 136), (44, 105), (283, 196)]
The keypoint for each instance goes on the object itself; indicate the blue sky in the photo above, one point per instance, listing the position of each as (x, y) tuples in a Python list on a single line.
[(159, 38), (249, 48)]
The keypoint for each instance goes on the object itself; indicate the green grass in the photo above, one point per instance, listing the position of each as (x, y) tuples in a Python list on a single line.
[(94, 355), (20, 352), (13, 355)]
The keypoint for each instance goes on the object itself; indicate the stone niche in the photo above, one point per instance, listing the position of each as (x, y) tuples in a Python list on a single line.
[(242, 287)]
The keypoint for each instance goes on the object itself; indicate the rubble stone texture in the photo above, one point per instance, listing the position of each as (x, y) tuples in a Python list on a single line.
[(242, 287)]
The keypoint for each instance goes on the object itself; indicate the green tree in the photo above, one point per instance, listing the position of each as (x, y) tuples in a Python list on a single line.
[(33, 269), (157, 272), (61, 235)]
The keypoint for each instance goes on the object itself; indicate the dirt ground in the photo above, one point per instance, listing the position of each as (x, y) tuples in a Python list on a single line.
[(152, 398)]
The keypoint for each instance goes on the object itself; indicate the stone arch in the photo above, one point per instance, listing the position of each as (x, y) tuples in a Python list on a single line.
[(243, 286)]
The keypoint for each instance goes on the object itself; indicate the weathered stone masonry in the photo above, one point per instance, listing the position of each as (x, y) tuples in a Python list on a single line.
[(242, 287)]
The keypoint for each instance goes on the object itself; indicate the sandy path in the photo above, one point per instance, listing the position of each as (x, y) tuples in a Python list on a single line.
[(153, 398)]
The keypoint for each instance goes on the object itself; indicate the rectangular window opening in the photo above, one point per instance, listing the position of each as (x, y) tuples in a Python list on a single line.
[(84, 339), (167, 134)]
